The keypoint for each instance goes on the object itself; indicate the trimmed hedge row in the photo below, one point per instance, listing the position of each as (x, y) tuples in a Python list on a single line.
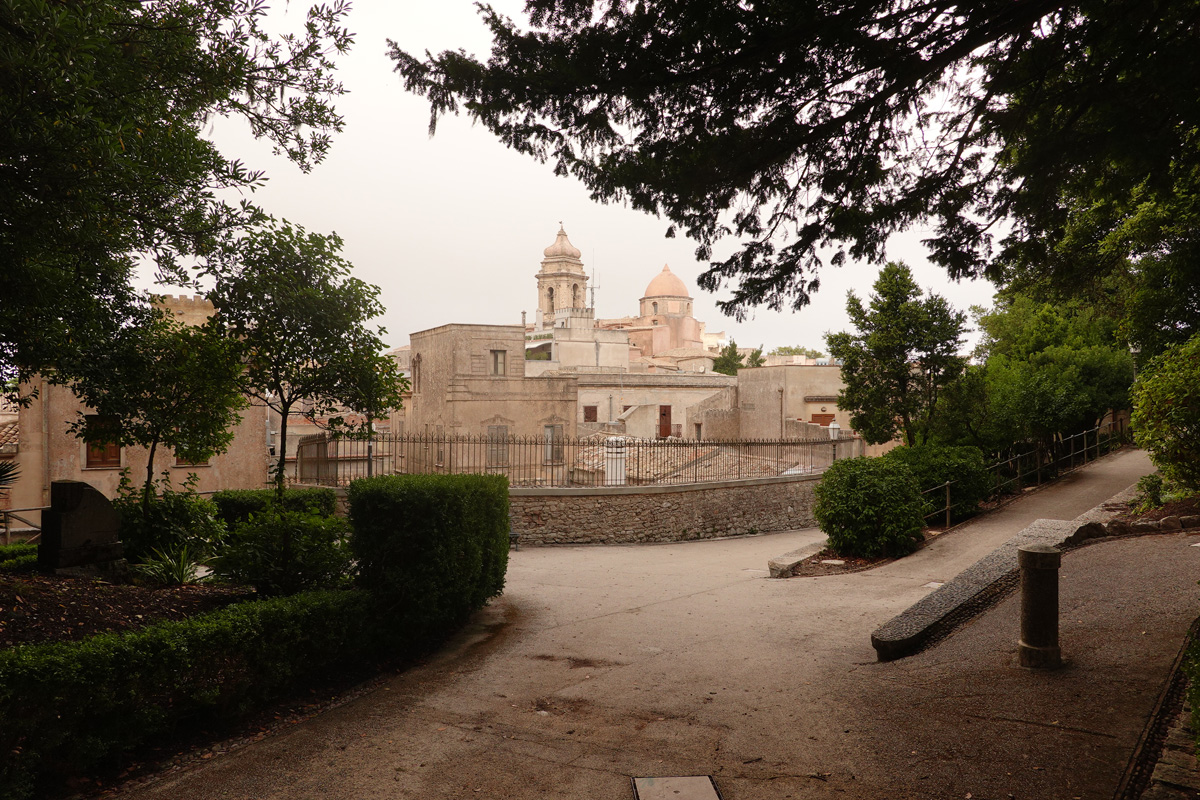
[(235, 506), (67, 708), (432, 547), (431, 550), (18, 557)]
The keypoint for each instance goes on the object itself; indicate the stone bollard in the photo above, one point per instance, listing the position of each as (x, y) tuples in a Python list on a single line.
[(1039, 606)]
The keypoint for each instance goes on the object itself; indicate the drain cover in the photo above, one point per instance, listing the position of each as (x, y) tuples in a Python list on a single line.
[(695, 787)]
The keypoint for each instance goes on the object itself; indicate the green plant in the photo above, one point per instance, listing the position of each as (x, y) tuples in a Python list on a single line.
[(167, 520), (74, 707), (18, 557), (870, 507), (173, 567), (235, 506), (284, 552), (1166, 413), (1149, 493), (934, 466), (433, 548)]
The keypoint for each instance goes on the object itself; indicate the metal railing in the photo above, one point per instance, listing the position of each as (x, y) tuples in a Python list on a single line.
[(556, 461), (1012, 470), (10, 514)]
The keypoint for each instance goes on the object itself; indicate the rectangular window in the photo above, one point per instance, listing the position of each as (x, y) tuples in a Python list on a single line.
[(497, 446), (589, 413), (102, 452), (498, 362), (553, 452)]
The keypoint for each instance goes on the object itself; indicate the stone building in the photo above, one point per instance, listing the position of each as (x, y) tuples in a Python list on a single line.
[(47, 451)]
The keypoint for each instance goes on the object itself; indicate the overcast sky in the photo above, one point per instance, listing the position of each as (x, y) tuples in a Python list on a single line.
[(452, 228)]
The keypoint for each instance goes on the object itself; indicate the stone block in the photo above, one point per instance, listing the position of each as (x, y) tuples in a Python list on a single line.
[(1170, 524), (80, 531)]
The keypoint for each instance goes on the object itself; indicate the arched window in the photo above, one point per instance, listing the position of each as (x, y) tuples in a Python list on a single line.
[(550, 299), (575, 295), (654, 307)]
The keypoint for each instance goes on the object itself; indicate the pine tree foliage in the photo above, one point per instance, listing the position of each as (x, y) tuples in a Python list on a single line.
[(1040, 139)]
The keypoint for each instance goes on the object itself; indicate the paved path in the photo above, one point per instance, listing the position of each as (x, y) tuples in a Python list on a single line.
[(602, 663)]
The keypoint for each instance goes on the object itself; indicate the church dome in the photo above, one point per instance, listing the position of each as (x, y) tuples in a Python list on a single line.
[(562, 247), (666, 284)]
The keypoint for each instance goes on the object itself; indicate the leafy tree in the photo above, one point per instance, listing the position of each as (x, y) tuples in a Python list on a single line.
[(793, 126), (728, 361), (1166, 415), (159, 382), (797, 350), (103, 158), (756, 359), (302, 318), (1047, 369), (895, 367)]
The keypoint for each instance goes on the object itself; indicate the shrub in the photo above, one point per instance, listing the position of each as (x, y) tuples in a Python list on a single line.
[(175, 567), (235, 506), (284, 552), (870, 507), (68, 708), (1149, 493), (172, 519), (1166, 413), (933, 466), (433, 547), (18, 557)]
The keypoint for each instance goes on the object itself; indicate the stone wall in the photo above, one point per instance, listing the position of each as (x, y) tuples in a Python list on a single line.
[(627, 514)]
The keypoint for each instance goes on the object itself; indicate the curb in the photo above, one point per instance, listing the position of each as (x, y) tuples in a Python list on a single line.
[(782, 566), (976, 587)]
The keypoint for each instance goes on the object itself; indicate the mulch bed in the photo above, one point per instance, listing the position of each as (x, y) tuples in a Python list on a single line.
[(37, 608)]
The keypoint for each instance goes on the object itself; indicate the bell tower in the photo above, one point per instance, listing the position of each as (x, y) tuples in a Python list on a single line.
[(561, 282)]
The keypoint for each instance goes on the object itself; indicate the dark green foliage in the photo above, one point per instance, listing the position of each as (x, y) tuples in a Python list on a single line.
[(1191, 667), (18, 557), (904, 353), (1055, 138), (433, 547), (168, 521), (158, 383), (68, 708), (963, 467), (1166, 413), (870, 507), (1149, 493), (728, 361), (289, 299), (284, 552), (104, 109), (234, 506)]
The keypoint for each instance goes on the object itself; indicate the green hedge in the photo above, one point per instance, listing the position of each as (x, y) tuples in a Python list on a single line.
[(18, 557), (433, 547), (68, 708), (933, 466), (870, 507), (235, 506)]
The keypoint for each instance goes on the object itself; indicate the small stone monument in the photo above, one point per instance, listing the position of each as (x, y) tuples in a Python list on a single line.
[(80, 533)]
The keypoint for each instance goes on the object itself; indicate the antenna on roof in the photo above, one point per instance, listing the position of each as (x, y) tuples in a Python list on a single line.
[(595, 279)]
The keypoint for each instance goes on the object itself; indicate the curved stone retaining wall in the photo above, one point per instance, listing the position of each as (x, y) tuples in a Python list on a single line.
[(627, 514)]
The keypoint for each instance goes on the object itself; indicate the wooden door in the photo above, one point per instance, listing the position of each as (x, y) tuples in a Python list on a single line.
[(822, 419), (664, 422)]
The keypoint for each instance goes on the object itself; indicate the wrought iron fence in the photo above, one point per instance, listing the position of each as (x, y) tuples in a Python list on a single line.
[(554, 460)]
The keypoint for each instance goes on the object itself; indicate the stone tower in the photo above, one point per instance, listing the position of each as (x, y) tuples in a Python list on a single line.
[(562, 283)]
